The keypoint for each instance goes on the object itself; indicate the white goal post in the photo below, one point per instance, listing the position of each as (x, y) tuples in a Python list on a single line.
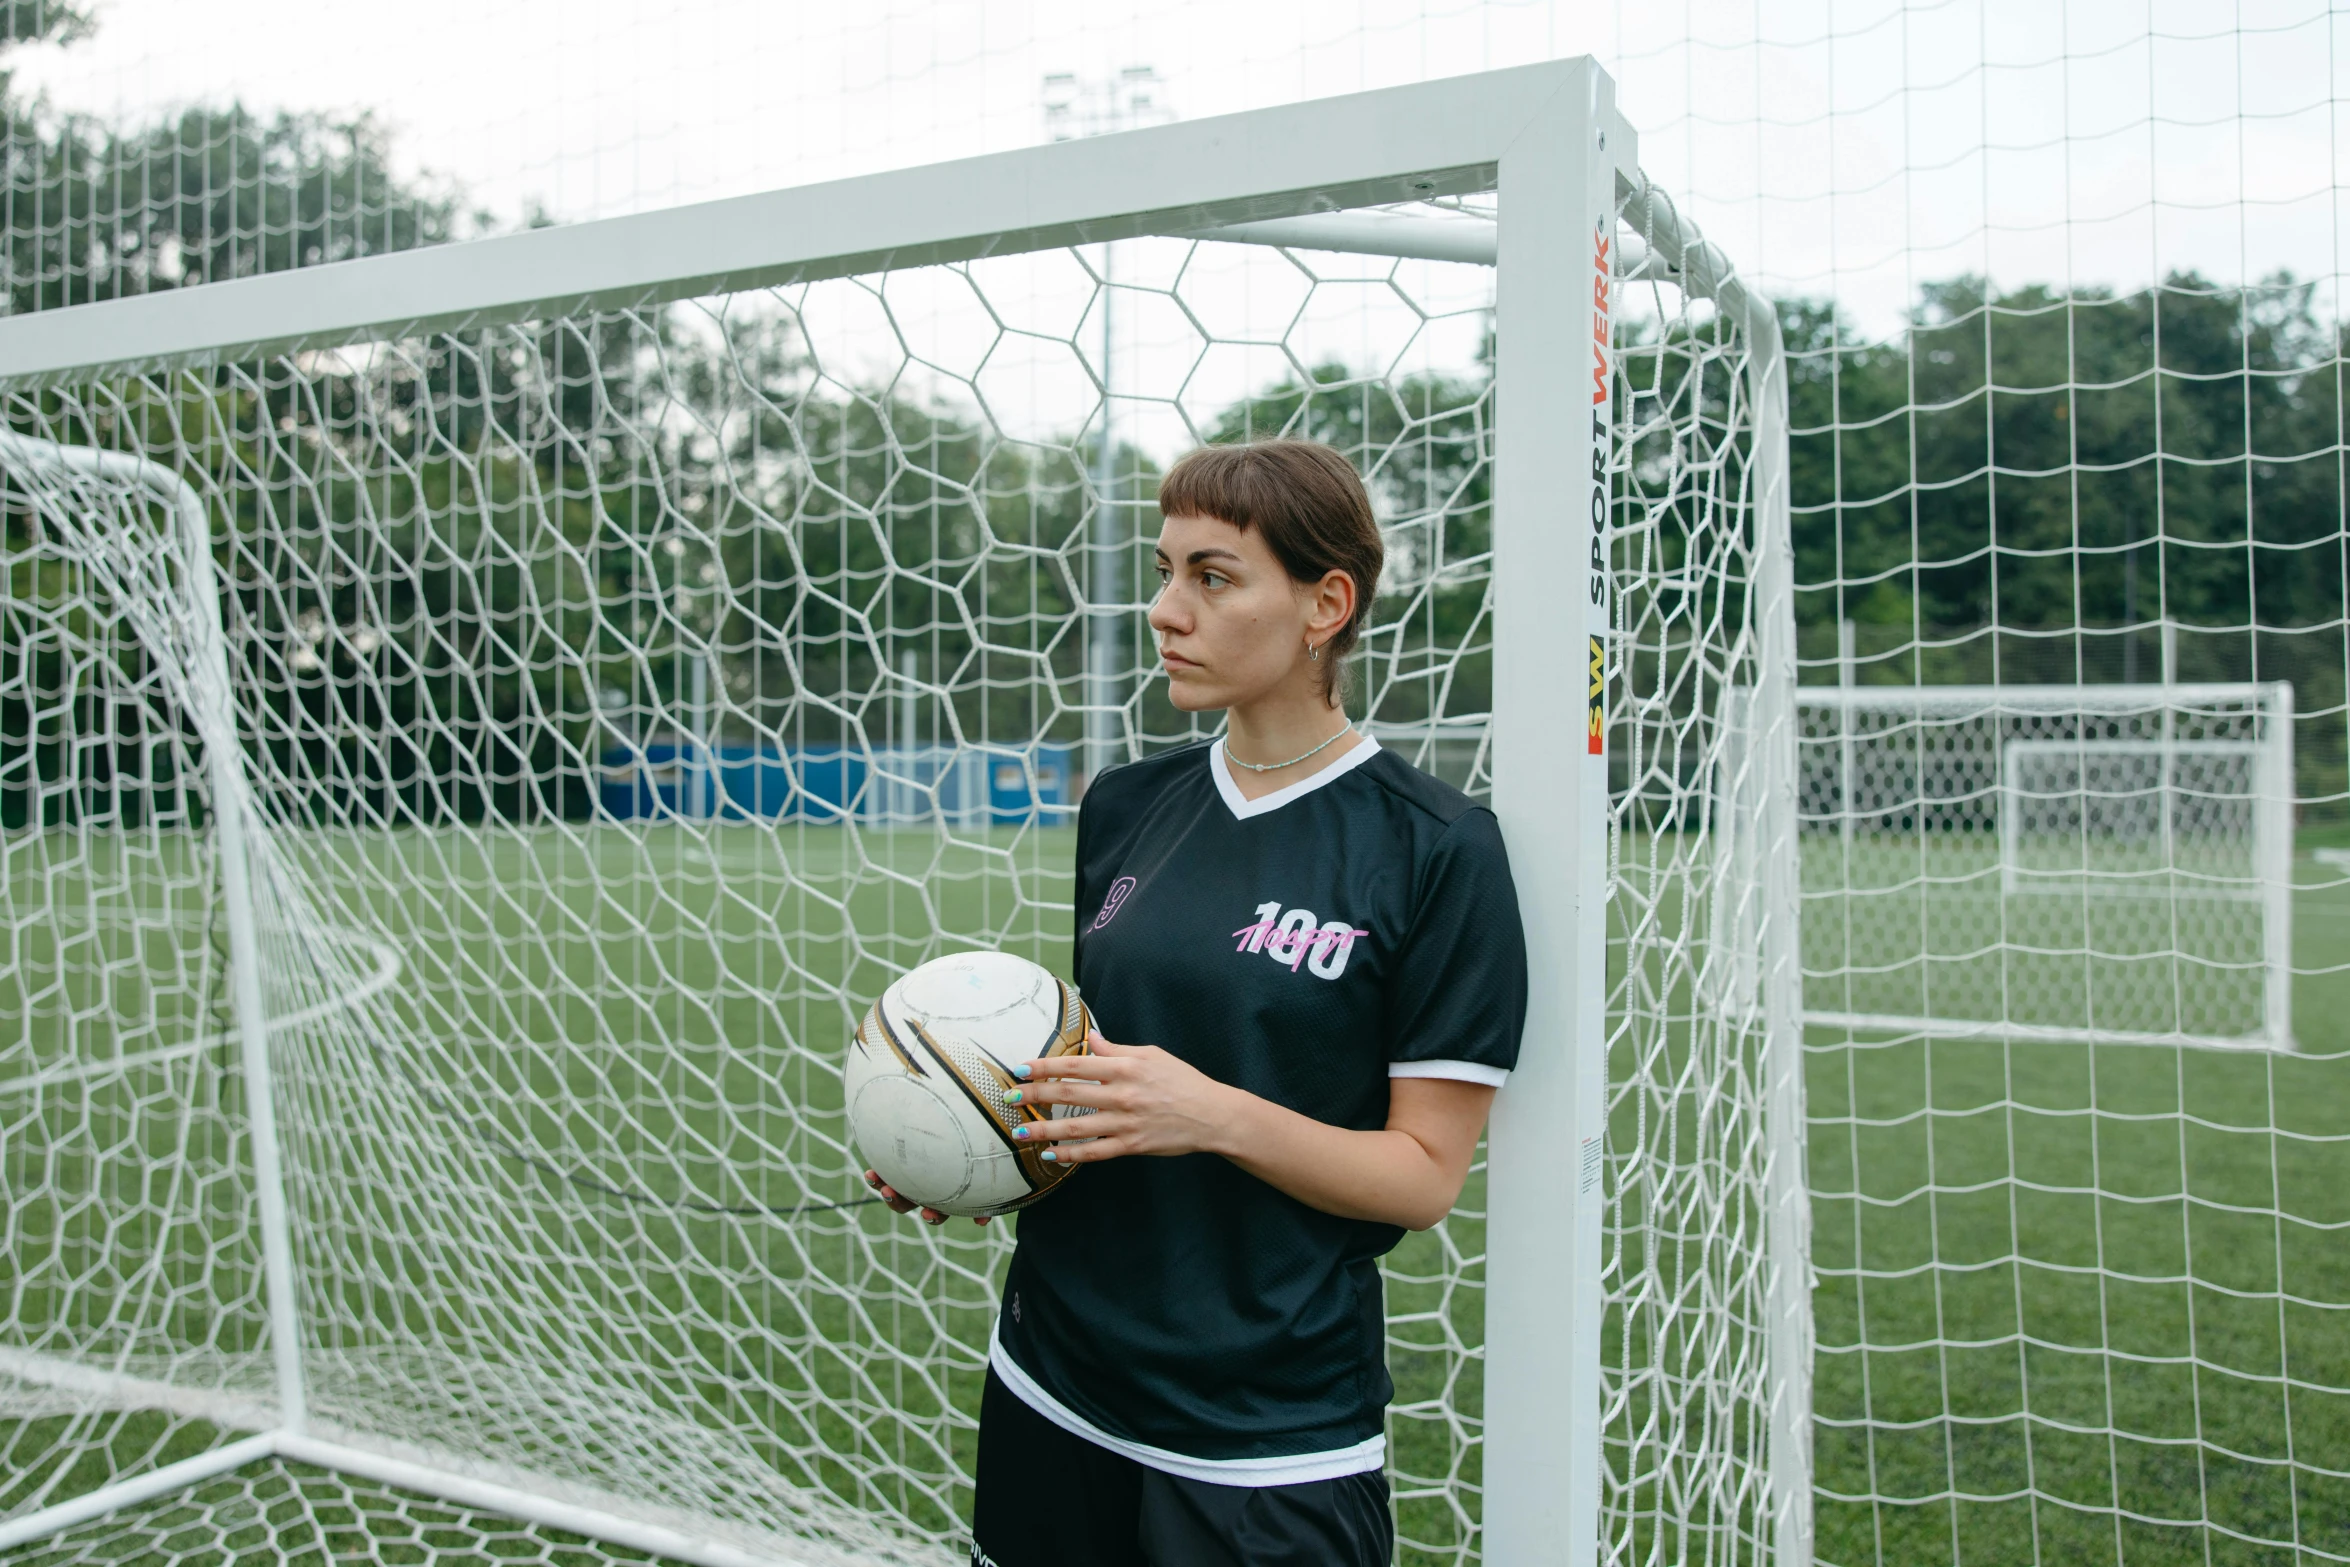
[(338, 590)]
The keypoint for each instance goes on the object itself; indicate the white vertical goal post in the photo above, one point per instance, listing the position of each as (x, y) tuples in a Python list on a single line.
[(526, 1189)]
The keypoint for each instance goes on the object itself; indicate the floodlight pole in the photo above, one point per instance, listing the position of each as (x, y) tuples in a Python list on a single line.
[(703, 773), (1103, 656), (1127, 101), (1847, 676), (697, 775)]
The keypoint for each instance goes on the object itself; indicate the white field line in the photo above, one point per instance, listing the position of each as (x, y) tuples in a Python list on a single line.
[(2035, 1033), (387, 970)]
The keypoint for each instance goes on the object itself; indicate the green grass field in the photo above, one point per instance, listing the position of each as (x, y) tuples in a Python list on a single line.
[(2058, 1315), (2089, 1304)]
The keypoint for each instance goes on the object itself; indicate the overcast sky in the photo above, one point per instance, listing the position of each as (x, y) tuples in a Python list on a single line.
[(1844, 147)]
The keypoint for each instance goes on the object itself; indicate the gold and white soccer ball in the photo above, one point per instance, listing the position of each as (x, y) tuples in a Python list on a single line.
[(928, 1071)]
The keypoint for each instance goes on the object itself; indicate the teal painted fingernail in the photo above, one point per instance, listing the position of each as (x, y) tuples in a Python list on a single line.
[(1052, 1156), (1020, 1131), (1013, 1097), (1021, 1071)]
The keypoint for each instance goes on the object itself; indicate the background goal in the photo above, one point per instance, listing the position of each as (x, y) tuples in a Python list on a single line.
[(2103, 864)]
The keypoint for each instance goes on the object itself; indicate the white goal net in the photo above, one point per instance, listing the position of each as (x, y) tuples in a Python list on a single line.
[(462, 781)]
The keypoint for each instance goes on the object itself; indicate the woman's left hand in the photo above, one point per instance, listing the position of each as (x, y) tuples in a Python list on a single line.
[(1143, 1101)]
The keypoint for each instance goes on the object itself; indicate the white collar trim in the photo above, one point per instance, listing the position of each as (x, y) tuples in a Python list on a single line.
[(1243, 807)]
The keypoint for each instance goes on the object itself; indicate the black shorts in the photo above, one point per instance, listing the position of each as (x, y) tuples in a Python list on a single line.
[(1050, 1499)]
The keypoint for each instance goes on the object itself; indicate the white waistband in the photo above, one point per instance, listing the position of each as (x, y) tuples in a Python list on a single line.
[(1364, 1456)]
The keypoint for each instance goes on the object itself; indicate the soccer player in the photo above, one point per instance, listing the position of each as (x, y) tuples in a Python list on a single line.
[(1313, 954)]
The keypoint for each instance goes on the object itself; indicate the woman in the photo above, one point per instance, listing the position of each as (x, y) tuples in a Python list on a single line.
[(1319, 948)]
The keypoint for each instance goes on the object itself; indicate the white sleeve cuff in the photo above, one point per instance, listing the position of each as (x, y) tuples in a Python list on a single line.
[(1456, 1071)]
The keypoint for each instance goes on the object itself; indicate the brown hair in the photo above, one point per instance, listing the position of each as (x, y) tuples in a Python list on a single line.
[(1311, 507)]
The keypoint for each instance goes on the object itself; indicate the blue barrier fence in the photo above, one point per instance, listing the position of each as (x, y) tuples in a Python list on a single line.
[(962, 786)]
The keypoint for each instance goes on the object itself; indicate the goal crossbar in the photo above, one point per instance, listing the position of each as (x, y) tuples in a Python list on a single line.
[(1300, 162)]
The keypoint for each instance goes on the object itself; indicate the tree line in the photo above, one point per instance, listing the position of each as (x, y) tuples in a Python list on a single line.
[(512, 530)]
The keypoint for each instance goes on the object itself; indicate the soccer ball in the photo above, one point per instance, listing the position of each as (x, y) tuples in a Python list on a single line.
[(928, 1070)]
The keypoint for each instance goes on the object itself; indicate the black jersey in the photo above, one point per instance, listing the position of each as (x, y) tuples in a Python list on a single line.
[(1307, 946)]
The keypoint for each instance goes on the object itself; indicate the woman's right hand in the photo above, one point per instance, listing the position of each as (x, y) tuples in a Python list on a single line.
[(899, 1204)]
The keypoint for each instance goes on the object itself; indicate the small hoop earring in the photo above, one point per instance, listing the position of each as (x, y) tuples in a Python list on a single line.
[(1313, 653)]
